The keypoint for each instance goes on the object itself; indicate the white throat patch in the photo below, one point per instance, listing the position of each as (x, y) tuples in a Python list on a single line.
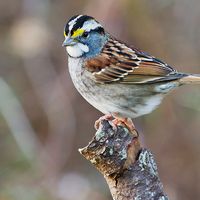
[(77, 50)]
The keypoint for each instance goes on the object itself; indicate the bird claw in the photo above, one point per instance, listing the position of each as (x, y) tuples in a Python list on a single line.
[(116, 122), (125, 121)]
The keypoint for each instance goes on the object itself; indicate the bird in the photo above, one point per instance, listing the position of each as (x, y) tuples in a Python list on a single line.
[(118, 79)]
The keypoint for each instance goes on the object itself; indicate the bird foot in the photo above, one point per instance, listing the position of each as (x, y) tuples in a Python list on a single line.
[(125, 121), (116, 122)]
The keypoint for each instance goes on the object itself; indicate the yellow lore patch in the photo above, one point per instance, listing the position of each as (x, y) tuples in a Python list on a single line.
[(77, 33)]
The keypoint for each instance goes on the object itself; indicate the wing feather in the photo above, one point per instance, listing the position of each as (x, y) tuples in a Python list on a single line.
[(122, 64)]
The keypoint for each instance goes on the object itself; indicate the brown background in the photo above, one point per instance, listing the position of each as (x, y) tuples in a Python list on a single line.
[(43, 120)]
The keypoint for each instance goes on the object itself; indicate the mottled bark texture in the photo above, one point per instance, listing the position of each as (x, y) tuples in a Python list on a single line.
[(129, 170)]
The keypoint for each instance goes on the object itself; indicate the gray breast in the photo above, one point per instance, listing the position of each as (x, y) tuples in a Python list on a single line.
[(126, 100)]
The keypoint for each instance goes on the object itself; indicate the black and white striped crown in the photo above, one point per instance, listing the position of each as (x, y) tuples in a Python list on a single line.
[(85, 22)]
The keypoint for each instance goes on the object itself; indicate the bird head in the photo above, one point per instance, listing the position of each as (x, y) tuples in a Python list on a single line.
[(84, 36)]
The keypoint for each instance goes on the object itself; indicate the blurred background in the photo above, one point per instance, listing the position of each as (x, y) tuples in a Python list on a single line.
[(43, 119)]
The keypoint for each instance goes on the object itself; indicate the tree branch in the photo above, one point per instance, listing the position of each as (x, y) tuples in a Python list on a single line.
[(130, 171)]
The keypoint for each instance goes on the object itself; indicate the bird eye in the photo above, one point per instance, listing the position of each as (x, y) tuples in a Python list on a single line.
[(85, 34)]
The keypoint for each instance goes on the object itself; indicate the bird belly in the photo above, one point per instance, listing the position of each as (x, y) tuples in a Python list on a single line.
[(126, 100), (126, 104), (129, 109)]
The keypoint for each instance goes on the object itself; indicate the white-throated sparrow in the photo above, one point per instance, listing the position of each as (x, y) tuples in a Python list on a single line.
[(115, 78)]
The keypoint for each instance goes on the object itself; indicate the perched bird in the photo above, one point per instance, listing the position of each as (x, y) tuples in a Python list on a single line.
[(118, 80)]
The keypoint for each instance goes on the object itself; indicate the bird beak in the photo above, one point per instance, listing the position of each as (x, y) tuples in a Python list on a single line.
[(68, 42)]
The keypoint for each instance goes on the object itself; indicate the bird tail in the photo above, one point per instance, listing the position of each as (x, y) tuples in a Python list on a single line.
[(190, 79)]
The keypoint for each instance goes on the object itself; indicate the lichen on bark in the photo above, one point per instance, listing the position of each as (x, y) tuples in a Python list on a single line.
[(129, 169)]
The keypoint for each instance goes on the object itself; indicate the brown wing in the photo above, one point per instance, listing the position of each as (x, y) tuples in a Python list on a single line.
[(119, 63)]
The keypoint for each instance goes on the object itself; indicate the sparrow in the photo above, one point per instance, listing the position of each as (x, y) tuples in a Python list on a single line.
[(119, 80)]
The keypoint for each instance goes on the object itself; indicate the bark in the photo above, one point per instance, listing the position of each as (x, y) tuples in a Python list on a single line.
[(129, 169)]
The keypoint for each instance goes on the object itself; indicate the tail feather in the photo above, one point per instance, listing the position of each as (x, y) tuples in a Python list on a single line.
[(190, 79)]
